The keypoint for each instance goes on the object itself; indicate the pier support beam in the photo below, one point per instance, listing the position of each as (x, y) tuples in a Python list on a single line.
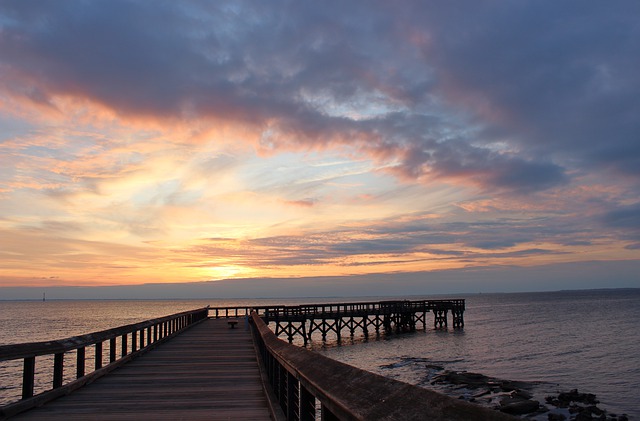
[(440, 318), (458, 318)]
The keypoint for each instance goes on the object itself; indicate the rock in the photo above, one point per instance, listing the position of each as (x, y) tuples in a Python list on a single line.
[(481, 393), (575, 396), (472, 380), (518, 406), (583, 416), (508, 385), (595, 410), (522, 394), (556, 417), (434, 367)]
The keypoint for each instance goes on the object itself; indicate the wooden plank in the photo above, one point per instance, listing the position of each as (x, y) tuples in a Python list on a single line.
[(209, 372)]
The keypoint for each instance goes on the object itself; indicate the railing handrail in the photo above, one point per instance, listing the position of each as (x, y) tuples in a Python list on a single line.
[(349, 393), (303, 309), (235, 311), (34, 349), (247, 309)]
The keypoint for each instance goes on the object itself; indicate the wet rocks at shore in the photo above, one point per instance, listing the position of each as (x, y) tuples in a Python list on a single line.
[(515, 397), (528, 400), (581, 406), (505, 395)]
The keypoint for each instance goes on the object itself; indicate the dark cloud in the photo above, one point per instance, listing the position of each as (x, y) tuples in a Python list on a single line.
[(627, 217), (557, 78), (508, 96), (625, 220)]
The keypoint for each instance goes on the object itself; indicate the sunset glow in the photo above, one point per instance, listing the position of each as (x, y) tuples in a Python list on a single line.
[(194, 141)]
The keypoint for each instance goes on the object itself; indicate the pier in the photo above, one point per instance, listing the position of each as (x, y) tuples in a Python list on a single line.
[(226, 363), (209, 372), (380, 316)]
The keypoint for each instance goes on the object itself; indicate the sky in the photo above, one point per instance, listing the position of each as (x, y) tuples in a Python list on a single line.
[(418, 142)]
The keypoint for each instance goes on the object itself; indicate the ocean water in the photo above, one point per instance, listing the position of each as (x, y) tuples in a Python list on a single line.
[(587, 340)]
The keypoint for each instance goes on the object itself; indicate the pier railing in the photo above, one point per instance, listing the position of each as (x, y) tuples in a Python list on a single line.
[(273, 312), (310, 386), (270, 313), (302, 321), (122, 344)]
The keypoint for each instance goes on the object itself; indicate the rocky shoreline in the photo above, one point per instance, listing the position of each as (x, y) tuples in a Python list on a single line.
[(514, 397)]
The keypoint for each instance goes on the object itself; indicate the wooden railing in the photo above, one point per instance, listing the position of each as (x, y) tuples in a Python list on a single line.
[(309, 386), (123, 344), (229, 312), (270, 313), (282, 311)]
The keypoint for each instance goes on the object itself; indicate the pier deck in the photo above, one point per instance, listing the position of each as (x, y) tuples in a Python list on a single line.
[(208, 372)]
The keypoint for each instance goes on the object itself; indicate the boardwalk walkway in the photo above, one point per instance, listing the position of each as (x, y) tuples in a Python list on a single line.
[(209, 372)]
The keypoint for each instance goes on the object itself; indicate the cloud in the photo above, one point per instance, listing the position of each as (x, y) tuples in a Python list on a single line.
[(624, 217), (405, 88), (555, 79), (625, 220), (404, 239)]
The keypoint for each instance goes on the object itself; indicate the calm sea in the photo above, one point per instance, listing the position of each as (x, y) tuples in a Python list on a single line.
[(558, 340)]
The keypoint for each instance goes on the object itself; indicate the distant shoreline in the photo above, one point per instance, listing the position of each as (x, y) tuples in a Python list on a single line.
[(311, 298)]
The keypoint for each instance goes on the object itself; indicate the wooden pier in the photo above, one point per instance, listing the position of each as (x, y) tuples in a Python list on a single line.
[(379, 316), (221, 363), (209, 372)]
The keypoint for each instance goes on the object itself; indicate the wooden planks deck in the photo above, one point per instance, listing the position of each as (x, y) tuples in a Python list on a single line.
[(209, 372)]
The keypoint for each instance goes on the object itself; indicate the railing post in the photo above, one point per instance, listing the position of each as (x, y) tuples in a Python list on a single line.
[(28, 374), (134, 341), (98, 356), (112, 350), (292, 397), (307, 405), (58, 369), (80, 356), (275, 372), (141, 338), (124, 345), (282, 385)]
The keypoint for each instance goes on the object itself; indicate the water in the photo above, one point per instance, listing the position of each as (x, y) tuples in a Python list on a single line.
[(561, 340)]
